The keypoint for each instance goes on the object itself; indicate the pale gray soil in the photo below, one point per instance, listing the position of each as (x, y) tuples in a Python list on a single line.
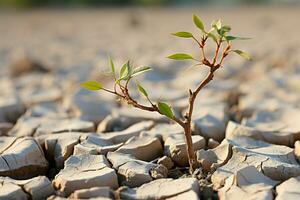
[(66, 142)]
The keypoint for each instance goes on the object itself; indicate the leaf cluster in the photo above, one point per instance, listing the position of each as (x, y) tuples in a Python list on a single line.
[(121, 79), (217, 32)]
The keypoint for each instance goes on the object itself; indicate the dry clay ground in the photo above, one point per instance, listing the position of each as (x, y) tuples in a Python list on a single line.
[(58, 141)]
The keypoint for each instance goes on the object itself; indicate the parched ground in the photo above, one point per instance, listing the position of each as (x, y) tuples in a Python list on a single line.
[(59, 141)]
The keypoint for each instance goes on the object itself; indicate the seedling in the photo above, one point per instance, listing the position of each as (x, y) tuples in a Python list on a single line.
[(218, 33)]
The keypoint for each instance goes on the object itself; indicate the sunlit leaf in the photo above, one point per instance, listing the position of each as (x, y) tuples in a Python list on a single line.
[(91, 85), (165, 109), (140, 70), (125, 71), (183, 34), (142, 90), (217, 24), (242, 54), (230, 37), (180, 56), (224, 29), (198, 23), (112, 67)]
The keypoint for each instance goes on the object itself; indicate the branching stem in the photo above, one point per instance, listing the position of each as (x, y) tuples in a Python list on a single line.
[(187, 121), (121, 85)]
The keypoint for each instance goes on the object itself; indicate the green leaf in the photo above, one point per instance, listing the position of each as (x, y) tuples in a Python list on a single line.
[(198, 23), (91, 85), (165, 109), (140, 70), (242, 54), (125, 71), (217, 24), (230, 37), (224, 29), (212, 36), (141, 89), (112, 66), (183, 34), (180, 56)]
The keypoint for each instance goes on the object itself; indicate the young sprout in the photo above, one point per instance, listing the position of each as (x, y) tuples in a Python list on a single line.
[(218, 33)]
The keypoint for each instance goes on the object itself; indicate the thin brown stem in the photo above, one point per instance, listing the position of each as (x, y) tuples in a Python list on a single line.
[(112, 92), (201, 45), (150, 102), (178, 121), (225, 53), (134, 103), (187, 128), (152, 108), (194, 94), (197, 41), (192, 97), (115, 87), (216, 52), (203, 54)]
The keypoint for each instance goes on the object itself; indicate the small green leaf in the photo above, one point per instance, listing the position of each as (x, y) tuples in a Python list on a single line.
[(112, 67), (212, 36), (183, 34), (243, 54), (91, 85), (141, 89), (125, 71), (165, 109), (180, 56), (224, 29), (198, 23), (230, 37), (217, 24), (140, 70)]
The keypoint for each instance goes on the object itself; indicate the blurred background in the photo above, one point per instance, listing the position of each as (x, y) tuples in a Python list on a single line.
[(47, 47), (74, 3)]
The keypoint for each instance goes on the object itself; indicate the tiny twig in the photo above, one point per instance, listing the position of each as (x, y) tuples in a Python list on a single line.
[(115, 87), (112, 92), (202, 47), (217, 51), (197, 41)]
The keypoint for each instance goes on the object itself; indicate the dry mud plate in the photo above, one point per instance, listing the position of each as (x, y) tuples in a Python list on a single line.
[(58, 141)]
